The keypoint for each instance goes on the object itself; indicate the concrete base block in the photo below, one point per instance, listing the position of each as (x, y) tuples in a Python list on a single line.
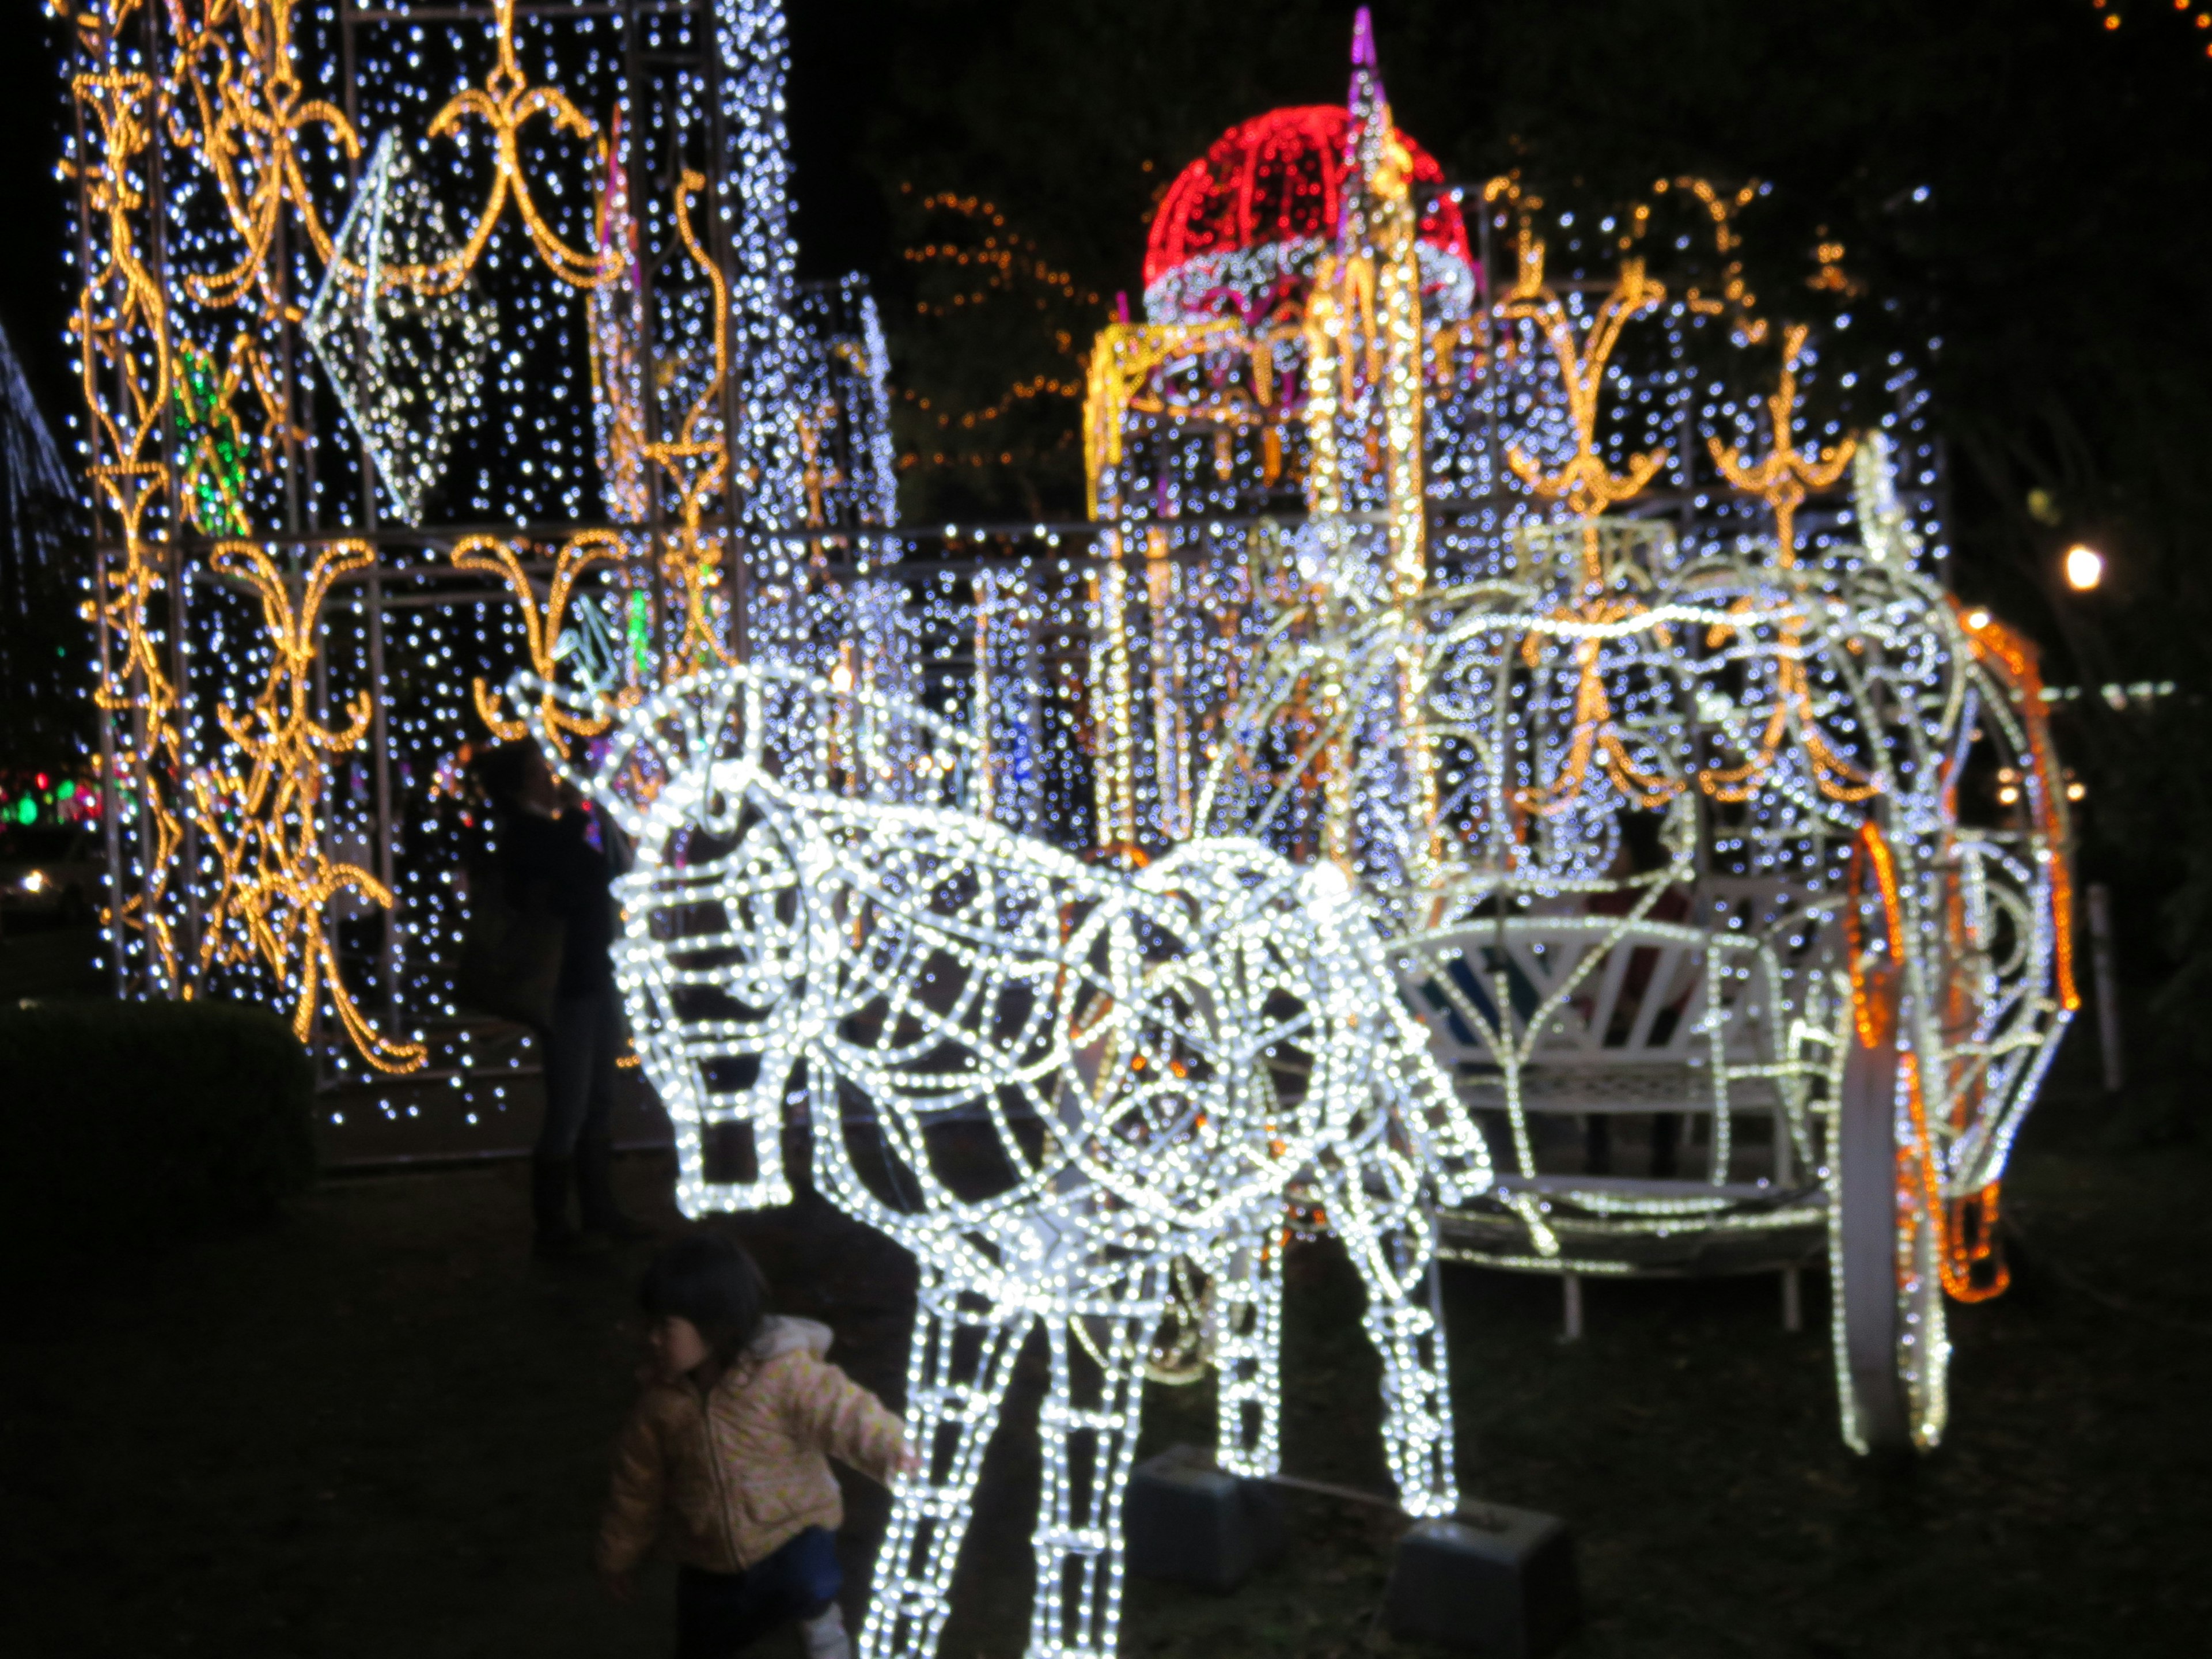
[(1490, 1580), (1184, 1519)]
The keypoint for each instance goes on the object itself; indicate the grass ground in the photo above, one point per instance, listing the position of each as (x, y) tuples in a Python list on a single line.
[(376, 1428)]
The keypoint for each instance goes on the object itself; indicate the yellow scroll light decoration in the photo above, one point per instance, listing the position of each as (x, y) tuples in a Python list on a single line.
[(698, 463), (262, 817), (488, 556), (121, 326), (506, 103), (1735, 296), (248, 100), (1587, 487), (1597, 734), (1781, 480), (1121, 362), (246, 96), (1835, 777), (1585, 483)]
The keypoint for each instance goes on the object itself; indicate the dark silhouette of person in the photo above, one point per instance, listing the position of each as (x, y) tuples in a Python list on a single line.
[(1641, 852), (552, 854)]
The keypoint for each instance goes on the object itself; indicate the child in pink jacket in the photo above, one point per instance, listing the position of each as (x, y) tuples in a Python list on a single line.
[(724, 1464)]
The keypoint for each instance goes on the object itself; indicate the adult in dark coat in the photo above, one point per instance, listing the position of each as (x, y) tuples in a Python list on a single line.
[(552, 854)]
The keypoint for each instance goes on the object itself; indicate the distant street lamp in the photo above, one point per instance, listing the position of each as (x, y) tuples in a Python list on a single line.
[(2085, 568)]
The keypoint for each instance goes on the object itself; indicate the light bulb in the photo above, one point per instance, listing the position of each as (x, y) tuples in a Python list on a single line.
[(2085, 568)]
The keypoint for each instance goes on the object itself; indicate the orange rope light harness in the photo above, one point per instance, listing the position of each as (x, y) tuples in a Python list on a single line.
[(1965, 1229), (2007, 654)]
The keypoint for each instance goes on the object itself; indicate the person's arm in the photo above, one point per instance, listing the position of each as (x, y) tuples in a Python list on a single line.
[(632, 1520), (830, 1412)]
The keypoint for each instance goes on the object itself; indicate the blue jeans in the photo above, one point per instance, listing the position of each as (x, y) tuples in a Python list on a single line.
[(718, 1613)]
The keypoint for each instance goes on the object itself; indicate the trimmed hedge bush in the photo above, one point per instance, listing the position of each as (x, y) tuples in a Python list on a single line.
[(131, 1120)]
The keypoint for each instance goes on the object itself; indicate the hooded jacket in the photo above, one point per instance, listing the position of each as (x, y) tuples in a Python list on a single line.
[(721, 1478)]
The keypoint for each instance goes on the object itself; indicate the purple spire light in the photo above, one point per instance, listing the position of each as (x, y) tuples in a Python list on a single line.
[(1365, 93)]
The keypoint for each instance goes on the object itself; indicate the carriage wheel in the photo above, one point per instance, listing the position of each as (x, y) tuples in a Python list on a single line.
[(1884, 1239)]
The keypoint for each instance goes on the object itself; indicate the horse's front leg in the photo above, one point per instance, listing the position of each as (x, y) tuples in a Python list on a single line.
[(1248, 1345), (1087, 1434), (956, 1373), (1375, 1209)]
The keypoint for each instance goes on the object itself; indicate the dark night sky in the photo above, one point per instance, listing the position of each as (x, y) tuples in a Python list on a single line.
[(34, 285)]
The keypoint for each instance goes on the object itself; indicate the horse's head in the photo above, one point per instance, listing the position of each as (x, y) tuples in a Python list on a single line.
[(717, 782)]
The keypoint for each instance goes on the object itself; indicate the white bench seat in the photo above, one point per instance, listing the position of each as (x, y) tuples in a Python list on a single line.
[(1555, 1015)]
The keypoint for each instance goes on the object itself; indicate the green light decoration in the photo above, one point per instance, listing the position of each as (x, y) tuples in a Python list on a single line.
[(640, 632), (214, 468)]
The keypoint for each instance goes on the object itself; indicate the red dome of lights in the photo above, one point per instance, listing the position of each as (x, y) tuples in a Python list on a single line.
[(1270, 190)]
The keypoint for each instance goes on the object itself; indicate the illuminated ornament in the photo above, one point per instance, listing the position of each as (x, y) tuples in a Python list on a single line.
[(1365, 584), (1241, 230), (1046, 1080), (405, 357)]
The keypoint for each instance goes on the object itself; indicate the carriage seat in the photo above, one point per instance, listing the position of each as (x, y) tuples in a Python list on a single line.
[(1626, 1016), (1580, 1015)]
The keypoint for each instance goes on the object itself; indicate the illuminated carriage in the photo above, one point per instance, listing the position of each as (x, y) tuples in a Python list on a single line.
[(1725, 864), (1803, 1012)]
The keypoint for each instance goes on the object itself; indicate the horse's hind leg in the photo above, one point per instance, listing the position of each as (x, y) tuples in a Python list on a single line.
[(1248, 1343), (1392, 1241), (956, 1373), (1088, 1436)]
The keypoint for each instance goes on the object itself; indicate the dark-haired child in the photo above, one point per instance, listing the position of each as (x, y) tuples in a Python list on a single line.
[(724, 1462)]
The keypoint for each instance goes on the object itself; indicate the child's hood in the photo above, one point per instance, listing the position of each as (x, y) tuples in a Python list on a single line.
[(780, 1334)]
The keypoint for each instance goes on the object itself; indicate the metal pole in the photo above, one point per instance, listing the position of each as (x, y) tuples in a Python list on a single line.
[(380, 750), (111, 800), (179, 571), (2107, 970), (110, 797), (737, 548), (636, 165)]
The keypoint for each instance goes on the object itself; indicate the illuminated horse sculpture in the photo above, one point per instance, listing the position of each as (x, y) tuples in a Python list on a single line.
[(1046, 1080)]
